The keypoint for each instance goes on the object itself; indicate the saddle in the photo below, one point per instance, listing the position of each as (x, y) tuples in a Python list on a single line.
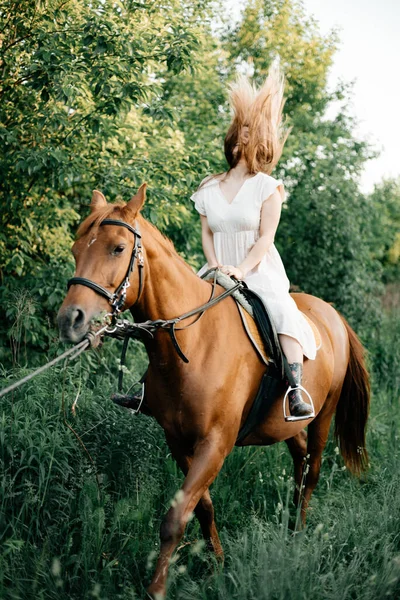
[(262, 333)]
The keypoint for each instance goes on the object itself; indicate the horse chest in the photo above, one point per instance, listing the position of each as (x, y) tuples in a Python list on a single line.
[(179, 416)]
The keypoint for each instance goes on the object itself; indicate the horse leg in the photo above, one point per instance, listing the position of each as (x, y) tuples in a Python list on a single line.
[(298, 449), (318, 432), (204, 510), (207, 461)]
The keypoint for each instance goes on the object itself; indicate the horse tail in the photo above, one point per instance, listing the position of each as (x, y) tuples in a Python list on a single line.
[(353, 407)]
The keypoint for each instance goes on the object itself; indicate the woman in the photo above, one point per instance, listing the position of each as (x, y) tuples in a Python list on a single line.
[(240, 212)]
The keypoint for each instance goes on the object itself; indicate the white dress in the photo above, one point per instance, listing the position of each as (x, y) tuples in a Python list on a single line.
[(236, 228)]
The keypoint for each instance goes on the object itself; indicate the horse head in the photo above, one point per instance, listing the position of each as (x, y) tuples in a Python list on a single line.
[(108, 260)]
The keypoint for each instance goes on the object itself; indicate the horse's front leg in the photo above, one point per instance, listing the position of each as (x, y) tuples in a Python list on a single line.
[(204, 510), (207, 461)]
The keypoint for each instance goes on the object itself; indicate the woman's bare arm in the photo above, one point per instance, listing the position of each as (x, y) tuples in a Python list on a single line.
[(208, 243), (270, 215)]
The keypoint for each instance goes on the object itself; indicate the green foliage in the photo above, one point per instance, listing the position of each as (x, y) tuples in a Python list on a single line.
[(386, 228), (273, 29), (328, 228), (82, 93), (107, 95)]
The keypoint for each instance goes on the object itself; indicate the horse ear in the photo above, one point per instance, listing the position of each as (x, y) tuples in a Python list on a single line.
[(135, 204), (98, 201)]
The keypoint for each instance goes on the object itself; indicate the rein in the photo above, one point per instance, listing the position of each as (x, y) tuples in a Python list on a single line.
[(69, 354), (124, 329)]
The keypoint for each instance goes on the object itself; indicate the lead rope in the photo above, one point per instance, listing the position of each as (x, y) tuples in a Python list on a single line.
[(70, 354)]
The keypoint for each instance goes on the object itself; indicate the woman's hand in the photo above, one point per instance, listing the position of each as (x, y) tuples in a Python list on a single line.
[(232, 271)]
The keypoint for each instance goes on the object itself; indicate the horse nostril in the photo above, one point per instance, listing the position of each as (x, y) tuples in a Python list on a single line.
[(72, 323), (77, 318)]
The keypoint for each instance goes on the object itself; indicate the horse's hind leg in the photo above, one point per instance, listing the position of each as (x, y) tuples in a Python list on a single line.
[(298, 449), (318, 432), (204, 511)]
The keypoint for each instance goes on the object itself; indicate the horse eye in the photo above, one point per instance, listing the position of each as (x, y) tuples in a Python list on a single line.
[(118, 250)]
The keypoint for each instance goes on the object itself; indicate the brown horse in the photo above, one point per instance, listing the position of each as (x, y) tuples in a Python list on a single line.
[(201, 405)]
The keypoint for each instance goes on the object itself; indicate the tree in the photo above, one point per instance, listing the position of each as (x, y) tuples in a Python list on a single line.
[(81, 107), (386, 228)]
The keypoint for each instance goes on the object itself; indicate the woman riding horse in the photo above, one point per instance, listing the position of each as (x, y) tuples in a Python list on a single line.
[(201, 405), (240, 212)]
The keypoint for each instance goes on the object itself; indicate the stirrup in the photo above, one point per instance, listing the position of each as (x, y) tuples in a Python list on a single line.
[(291, 418), (135, 412)]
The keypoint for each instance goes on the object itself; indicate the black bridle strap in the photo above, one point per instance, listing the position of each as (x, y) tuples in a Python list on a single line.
[(117, 299), (136, 254), (99, 289), (121, 224)]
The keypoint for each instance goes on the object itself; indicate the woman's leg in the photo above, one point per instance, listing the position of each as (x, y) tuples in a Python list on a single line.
[(291, 349), (294, 355)]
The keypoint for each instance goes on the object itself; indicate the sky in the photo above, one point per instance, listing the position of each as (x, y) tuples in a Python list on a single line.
[(369, 55)]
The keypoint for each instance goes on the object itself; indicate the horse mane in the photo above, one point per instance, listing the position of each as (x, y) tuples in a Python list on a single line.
[(166, 243)]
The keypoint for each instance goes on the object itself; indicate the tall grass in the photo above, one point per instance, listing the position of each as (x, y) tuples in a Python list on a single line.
[(63, 536)]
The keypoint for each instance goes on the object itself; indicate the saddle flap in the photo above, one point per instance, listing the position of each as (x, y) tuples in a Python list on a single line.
[(254, 334)]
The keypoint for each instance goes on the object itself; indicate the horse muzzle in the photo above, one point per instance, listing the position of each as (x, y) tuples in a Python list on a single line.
[(73, 324)]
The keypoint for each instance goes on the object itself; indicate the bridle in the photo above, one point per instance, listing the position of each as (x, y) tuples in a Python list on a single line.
[(117, 299)]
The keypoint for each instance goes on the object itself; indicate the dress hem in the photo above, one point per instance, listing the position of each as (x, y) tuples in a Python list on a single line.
[(310, 357)]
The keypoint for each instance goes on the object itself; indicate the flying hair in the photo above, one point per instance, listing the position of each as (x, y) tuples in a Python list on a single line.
[(260, 110)]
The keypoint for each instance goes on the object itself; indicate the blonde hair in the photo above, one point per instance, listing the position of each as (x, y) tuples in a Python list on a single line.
[(261, 111)]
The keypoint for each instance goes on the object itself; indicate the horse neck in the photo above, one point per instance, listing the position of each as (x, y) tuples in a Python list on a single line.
[(170, 287)]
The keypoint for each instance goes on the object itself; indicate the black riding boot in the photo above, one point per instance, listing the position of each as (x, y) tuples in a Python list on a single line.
[(134, 402), (297, 406)]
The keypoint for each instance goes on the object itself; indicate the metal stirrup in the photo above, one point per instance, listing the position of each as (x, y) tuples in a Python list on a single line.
[(136, 410), (291, 418)]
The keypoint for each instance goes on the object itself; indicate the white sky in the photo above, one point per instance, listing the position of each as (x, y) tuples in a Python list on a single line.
[(369, 55)]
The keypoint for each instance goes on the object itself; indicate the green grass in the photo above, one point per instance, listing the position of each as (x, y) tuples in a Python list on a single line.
[(62, 536)]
